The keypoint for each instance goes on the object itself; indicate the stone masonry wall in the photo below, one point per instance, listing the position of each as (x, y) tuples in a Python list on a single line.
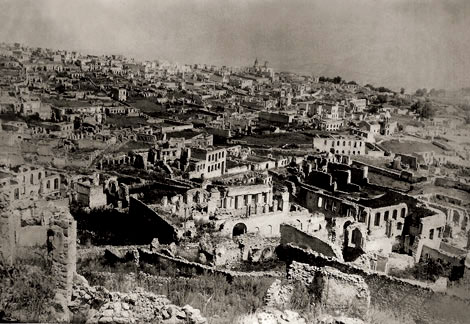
[(449, 183), (290, 234), (58, 245), (62, 250), (161, 229), (398, 295), (152, 257), (338, 293), (7, 236)]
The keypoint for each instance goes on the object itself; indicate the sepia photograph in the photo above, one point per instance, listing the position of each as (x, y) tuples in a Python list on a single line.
[(235, 161)]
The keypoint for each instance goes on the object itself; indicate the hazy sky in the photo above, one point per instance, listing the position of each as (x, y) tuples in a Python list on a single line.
[(410, 43)]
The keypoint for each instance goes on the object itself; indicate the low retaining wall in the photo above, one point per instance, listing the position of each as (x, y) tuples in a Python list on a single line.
[(152, 257)]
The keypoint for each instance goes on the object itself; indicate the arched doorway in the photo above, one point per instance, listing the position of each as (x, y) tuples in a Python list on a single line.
[(345, 233), (239, 229), (357, 238)]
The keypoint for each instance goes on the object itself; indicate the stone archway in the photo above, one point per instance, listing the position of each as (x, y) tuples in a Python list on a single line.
[(346, 232), (239, 229)]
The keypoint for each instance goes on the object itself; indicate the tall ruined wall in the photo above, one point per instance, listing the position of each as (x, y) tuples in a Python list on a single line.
[(290, 234), (159, 227), (8, 226), (397, 295), (62, 252), (48, 227)]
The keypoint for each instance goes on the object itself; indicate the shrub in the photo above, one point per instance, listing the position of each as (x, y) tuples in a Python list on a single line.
[(429, 270), (26, 290)]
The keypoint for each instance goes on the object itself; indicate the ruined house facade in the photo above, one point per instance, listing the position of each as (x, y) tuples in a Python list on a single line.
[(26, 182), (236, 208)]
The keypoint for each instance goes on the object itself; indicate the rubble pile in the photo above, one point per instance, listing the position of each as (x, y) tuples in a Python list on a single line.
[(273, 316), (98, 305)]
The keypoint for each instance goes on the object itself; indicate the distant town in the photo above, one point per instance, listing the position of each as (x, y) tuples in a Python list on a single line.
[(117, 173)]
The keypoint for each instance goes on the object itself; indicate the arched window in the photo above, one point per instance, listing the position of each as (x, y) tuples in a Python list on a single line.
[(394, 214), (403, 212), (239, 229)]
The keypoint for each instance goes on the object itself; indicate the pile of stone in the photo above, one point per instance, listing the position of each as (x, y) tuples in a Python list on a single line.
[(98, 305), (269, 315)]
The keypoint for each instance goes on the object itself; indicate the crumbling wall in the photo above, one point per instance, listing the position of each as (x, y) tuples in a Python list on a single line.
[(51, 229), (388, 173), (290, 234), (337, 292), (400, 296), (152, 257), (164, 231), (8, 226), (62, 252)]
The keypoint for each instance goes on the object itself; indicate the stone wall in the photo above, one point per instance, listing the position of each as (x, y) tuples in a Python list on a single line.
[(400, 296), (153, 257), (8, 225), (47, 226), (62, 252), (164, 231), (402, 175), (449, 183), (266, 225), (337, 293), (290, 234)]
